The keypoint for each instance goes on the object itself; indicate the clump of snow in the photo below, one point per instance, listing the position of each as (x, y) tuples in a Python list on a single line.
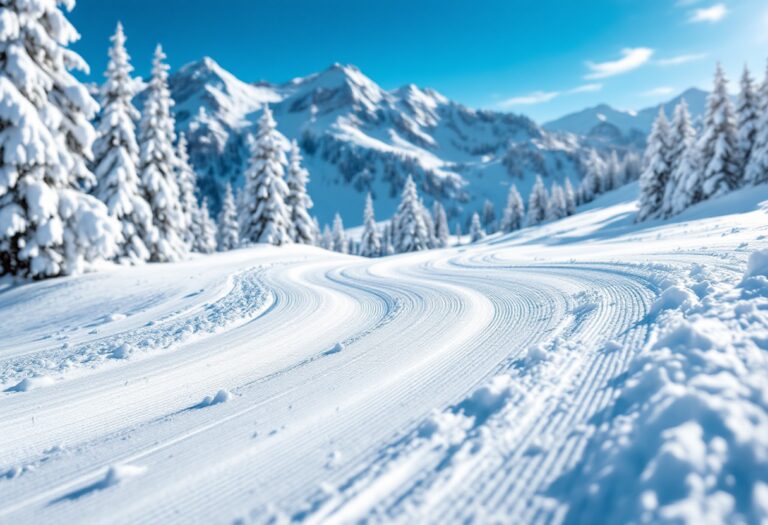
[(536, 354), (487, 400), (757, 266), (612, 346), (117, 474), (337, 348), (674, 297), (122, 352), (30, 383), (222, 396)]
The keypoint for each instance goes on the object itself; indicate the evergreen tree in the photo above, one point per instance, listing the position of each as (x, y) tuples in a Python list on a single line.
[(441, 225), (339, 242), (476, 231), (370, 243), (298, 201), (757, 166), (570, 198), (203, 230), (229, 232), (48, 226), (116, 155), (388, 247), (158, 164), (459, 233), (682, 137), (410, 226), (265, 216), (592, 183), (612, 174), (187, 182), (688, 181), (514, 212), (747, 115), (317, 232), (556, 204), (327, 240), (718, 145), (489, 217), (654, 179), (631, 167), (537, 203)]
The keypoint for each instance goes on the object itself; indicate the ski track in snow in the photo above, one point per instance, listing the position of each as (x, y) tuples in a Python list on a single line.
[(295, 385)]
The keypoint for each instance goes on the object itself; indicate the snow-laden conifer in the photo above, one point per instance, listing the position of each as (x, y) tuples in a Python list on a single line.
[(440, 218), (327, 238), (476, 231), (265, 215), (682, 138), (612, 174), (514, 212), (570, 197), (556, 204), (538, 202), (116, 155), (653, 181), (410, 225), (203, 229), (688, 180), (299, 203), (489, 216), (186, 179), (757, 166), (747, 115), (718, 146), (158, 164), (594, 172), (228, 237), (370, 242), (48, 225), (339, 243)]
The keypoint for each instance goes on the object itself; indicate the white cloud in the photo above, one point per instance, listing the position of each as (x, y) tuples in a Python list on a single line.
[(709, 14), (681, 59), (587, 88), (537, 97), (659, 91), (632, 58)]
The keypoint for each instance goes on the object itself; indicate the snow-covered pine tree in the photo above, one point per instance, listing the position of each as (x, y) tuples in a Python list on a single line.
[(476, 231), (681, 138), (687, 176), (339, 242), (514, 212), (204, 230), (317, 231), (594, 172), (370, 242), (158, 164), (186, 179), (654, 179), (570, 198), (48, 226), (538, 202), (632, 167), (441, 225), (459, 234), (116, 154), (757, 166), (718, 145), (387, 247), (747, 114), (327, 239), (612, 174), (556, 204), (229, 231), (410, 226), (489, 217), (298, 201), (265, 215)]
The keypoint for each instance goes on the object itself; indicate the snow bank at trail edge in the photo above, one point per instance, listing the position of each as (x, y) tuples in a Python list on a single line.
[(690, 441)]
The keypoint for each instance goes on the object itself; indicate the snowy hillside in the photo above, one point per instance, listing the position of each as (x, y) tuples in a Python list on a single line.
[(603, 124), (590, 369), (357, 137)]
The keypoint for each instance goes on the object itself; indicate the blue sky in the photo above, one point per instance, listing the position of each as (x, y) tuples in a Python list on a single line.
[(543, 58)]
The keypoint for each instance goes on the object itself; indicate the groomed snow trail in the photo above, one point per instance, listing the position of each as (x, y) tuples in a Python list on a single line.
[(274, 385)]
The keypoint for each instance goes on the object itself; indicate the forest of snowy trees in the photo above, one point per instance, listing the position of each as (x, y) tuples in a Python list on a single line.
[(687, 164), (84, 181)]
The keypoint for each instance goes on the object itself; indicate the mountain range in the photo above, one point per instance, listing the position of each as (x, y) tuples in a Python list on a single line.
[(358, 137)]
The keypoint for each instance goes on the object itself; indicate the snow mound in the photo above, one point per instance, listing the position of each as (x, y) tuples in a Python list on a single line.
[(117, 474), (674, 297), (337, 348), (30, 383), (487, 400), (222, 396)]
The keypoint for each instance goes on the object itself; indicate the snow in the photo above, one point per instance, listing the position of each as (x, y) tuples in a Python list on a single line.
[(585, 370)]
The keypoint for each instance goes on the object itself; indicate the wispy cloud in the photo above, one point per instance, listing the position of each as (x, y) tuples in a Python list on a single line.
[(709, 14), (587, 88), (681, 59), (658, 92), (536, 97), (632, 59)]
